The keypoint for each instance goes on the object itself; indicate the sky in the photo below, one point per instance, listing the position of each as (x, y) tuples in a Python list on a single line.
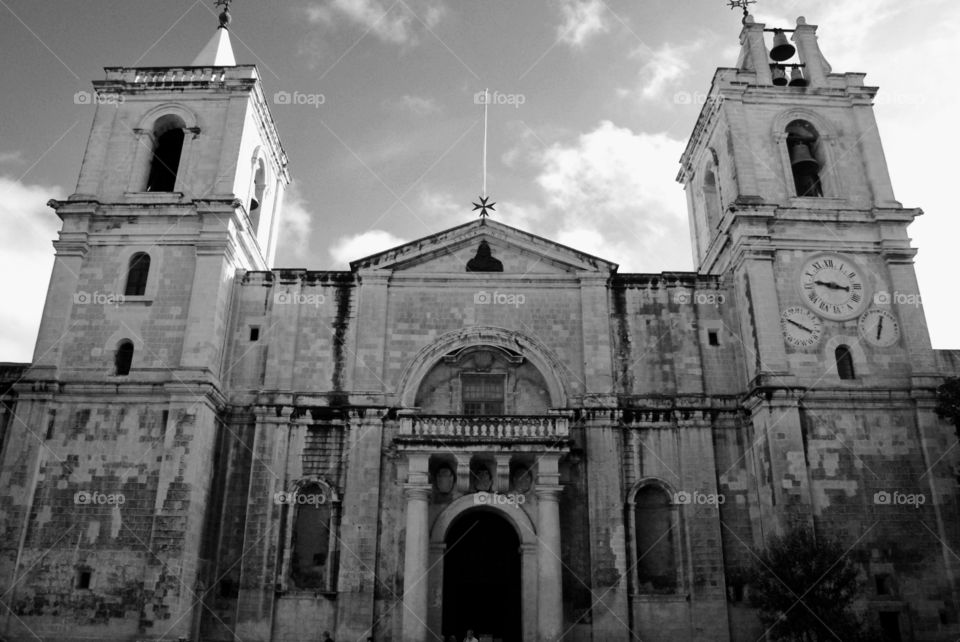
[(593, 101)]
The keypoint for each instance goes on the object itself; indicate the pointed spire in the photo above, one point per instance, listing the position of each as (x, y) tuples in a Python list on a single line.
[(219, 51)]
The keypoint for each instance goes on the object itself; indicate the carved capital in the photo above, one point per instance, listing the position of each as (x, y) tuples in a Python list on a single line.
[(548, 492), (417, 492)]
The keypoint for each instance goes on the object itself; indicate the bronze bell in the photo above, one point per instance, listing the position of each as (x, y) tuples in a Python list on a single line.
[(802, 160), (779, 75), (782, 49), (797, 79)]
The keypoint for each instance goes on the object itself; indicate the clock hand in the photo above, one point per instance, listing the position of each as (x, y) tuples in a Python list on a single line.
[(879, 328), (832, 286), (800, 325)]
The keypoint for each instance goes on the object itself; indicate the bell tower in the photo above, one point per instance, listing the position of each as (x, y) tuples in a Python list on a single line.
[(785, 163), (179, 191), (181, 184), (790, 202)]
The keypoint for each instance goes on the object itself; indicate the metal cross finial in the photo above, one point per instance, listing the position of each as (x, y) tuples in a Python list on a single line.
[(483, 206), (741, 4)]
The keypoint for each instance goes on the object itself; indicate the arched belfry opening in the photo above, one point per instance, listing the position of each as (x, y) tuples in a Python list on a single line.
[(806, 158), (482, 578), (168, 134)]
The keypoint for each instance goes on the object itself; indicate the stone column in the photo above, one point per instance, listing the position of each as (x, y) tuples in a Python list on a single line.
[(372, 331), (415, 560), (357, 580), (549, 566), (61, 296), (550, 580)]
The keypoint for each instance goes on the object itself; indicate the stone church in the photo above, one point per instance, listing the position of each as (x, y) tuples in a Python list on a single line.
[(481, 429)]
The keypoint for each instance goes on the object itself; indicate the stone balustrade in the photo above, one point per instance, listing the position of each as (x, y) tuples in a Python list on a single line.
[(521, 427)]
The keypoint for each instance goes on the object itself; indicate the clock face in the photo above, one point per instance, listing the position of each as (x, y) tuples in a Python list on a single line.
[(879, 328), (833, 286), (801, 328)]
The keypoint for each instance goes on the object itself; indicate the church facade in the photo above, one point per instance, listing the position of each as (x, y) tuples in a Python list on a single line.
[(481, 429)]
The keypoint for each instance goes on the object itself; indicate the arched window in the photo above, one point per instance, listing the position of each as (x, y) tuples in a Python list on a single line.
[(123, 357), (168, 144), (806, 158), (311, 562), (656, 558), (844, 362), (259, 188), (711, 200), (137, 273)]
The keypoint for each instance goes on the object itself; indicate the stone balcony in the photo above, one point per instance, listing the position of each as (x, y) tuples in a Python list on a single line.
[(534, 429)]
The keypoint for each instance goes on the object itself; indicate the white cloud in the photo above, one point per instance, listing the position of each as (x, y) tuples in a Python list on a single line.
[(441, 207), (582, 20), (663, 69), (295, 227), (11, 157), (26, 252), (612, 193), (396, 24), (416, 105), (357, 246)]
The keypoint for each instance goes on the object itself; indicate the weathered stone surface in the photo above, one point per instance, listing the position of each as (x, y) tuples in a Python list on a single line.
[(164, 504)]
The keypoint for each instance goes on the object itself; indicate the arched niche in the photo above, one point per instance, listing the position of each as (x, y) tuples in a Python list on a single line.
[(506, 347)]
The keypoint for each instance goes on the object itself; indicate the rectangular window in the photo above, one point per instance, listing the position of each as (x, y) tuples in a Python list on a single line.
[(482, 394), (254, 333)]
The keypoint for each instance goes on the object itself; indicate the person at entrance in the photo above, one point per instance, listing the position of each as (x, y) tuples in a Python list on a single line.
[(326, 637), (470, 637)]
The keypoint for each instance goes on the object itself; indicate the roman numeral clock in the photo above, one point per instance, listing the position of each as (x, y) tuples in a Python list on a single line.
[(833, 286)]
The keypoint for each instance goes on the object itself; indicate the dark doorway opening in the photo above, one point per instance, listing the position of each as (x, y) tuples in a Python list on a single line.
[(481, 578)]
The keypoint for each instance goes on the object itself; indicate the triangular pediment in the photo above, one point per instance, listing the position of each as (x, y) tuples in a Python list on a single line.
[(518, 252)]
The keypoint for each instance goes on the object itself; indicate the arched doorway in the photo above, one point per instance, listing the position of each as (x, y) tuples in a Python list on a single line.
[(481, 578)]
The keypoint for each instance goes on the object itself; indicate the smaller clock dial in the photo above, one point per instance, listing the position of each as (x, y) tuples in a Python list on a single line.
[(833, 287), (879, 328), (801, 328)]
